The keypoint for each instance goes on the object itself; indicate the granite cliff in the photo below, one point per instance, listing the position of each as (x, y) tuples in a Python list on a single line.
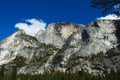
[(93, 48)]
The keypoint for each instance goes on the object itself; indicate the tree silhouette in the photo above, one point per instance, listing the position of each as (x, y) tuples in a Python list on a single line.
[(2, 71), (14, 73), (106, 5)]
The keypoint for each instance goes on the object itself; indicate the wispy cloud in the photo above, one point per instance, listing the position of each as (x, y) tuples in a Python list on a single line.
[(31, 26), (109, 17)]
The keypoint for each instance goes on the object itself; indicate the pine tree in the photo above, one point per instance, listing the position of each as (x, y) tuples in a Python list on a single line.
[(14, 73)]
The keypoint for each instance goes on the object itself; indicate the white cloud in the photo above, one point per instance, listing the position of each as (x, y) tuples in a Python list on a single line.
[(109, 17), (32, 28)]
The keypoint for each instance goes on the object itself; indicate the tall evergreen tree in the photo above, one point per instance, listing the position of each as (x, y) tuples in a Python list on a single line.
[(14, 73), (2, 71)]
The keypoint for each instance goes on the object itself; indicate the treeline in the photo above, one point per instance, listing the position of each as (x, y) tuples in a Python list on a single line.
[(58, 76)]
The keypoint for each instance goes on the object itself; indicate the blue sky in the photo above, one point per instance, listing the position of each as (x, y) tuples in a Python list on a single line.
[(15, 11)]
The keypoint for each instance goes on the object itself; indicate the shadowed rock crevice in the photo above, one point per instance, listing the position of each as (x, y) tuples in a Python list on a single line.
[(85, 36), (117, 33), (95, 24)]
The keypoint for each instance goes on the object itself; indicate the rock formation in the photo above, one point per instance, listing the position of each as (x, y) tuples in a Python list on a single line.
[(64, 47)]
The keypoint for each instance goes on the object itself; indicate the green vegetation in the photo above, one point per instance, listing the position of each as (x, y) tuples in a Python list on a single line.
[(14, 73), (113, 52), (19, 61), (59, 56), (98, 57), (62, 49), (45, 51), (2, 71), (75, 60), (60, 76)]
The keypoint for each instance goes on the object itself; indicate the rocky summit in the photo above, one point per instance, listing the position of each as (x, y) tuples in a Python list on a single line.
[(64, 47)]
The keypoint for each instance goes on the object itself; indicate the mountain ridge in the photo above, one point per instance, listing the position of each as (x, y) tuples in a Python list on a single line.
[(65, 47)]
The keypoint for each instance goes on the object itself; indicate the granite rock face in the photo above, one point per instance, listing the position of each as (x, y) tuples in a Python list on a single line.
[(64, 47), (17, 44), (58, 33), (98, 36)]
